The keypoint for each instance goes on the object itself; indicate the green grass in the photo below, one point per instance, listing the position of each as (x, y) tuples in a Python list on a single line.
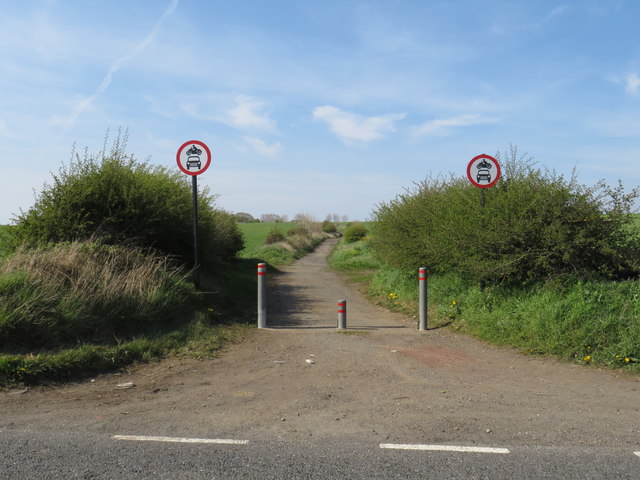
[(594, 322), (591, 322), (356, 256)]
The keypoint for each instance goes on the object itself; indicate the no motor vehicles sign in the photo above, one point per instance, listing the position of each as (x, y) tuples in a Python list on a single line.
[(483, 171), (193, 157)]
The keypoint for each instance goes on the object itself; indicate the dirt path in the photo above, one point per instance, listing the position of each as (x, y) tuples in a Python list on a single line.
[(381, 381)]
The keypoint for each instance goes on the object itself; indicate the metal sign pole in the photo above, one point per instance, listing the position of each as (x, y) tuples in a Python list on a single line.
[(196, 259), (193, 158)]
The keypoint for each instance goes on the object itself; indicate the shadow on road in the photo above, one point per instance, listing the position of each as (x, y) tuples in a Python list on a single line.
[(290, 306)]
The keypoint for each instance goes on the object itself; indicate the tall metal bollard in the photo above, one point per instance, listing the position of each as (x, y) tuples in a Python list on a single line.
[(422, 285), (262, 295), (342, 314)]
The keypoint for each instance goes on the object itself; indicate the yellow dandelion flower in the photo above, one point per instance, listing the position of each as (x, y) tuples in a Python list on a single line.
[(627, 359)]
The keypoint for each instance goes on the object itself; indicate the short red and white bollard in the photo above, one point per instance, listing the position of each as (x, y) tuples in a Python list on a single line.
[(423, 276), (262, 295), (342, 314)]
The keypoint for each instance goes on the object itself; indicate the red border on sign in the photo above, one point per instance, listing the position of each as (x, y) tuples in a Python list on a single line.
[(185, 145), (496, 178)]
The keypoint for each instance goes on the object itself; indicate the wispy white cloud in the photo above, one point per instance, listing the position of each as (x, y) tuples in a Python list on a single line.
[(632, 84), (80, 107), (443, 127), (262, 147), (83, 105), (349, 126), (248, 114)]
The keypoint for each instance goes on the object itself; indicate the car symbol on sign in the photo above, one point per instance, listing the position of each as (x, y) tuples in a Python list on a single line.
[(193, 160), (483, 174)]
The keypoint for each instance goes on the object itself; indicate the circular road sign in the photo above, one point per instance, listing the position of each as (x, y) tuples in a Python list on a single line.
[(193, 157), (483, 171)]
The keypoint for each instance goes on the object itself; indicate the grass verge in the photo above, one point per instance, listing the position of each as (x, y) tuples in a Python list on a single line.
[(591, 322), (199, 338), (73, 310)]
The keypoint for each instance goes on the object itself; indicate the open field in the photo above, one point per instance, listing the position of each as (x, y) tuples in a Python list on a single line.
[(294, 245), (255, 233)]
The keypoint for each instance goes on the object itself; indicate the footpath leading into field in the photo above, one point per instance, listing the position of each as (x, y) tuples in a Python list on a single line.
[(306, 296), (382, 381)]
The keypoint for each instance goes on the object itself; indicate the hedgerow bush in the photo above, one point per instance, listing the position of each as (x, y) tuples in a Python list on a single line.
[(354, 232), (298, 230), (120, 200), (274, 236), (329, 227), (532, 226)]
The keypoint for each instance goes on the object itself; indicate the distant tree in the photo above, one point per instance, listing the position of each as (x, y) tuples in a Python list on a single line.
[(303, 218), (243, 217), (270, 217)]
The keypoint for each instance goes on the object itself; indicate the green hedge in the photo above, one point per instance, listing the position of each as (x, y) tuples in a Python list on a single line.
[(533, 225), (124, 201)]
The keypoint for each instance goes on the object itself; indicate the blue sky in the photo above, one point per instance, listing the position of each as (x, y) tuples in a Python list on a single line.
[(319, 107)]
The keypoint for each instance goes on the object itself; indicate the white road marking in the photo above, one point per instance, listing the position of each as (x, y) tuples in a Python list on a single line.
[(142, 438), (443, 448), (637, 453)]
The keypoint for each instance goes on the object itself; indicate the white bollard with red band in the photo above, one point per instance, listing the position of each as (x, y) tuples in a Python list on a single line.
[(422, 283), (262, 295), (342, 314)]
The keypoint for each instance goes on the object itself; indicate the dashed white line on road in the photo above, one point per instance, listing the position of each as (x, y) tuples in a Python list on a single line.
[(216, 441), (637, 453), (443, 448)]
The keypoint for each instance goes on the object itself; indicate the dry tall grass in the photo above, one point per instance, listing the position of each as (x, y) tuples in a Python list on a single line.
[(77, 289)]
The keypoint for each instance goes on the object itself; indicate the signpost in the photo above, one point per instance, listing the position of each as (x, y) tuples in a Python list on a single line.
[(193, 158), (483, 171)]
